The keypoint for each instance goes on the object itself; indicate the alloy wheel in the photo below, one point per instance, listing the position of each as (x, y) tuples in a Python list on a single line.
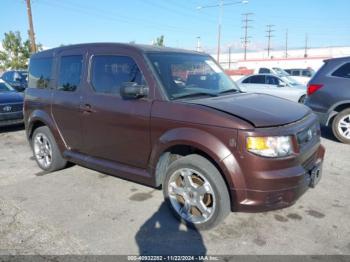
[(344, 126), (43, 150), (191, 195)]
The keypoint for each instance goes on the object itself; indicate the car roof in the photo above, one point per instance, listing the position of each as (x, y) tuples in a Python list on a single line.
[(338, 59), (264, 74), (136, 47)]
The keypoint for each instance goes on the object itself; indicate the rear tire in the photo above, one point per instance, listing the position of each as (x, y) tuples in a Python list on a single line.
[(45, 150), (341, 126), (302, 99), (196, 192)]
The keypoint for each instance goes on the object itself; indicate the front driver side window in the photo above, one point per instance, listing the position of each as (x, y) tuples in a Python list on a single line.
[(109, 72), (271, 80)]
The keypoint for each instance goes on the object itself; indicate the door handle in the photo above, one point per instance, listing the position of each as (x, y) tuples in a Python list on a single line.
[(87, 108)]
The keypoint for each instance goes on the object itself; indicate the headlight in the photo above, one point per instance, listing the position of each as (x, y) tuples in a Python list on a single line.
[(270, 146)]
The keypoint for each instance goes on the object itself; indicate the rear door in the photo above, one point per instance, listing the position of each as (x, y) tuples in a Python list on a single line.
[(255, 84), (114, 128), (67, 96)]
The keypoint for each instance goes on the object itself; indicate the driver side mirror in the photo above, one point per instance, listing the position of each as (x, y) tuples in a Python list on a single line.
[(282, 85), (131, 90)]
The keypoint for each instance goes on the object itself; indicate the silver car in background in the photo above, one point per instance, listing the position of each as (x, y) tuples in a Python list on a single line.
[(273, 85)]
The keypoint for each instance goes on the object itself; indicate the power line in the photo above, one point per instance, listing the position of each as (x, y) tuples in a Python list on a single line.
[(246, 26), (110, 15), (269, 31)]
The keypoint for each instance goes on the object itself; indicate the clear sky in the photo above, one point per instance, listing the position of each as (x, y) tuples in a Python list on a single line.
[(57, 22)]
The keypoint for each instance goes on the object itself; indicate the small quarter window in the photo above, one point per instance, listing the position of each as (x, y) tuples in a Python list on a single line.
[(343, 71), (40, 72), (110, 72), (70, 73)]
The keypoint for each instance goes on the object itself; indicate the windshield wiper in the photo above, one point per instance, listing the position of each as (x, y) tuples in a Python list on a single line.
[(229, 91), (195, 94)]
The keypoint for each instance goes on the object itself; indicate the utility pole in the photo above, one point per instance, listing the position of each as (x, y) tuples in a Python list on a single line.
[(286, 54), (229, 57), (198, 48), (31, 27), (269, 31), (220, 5), (306, 44), (245, 39), (221, 2)]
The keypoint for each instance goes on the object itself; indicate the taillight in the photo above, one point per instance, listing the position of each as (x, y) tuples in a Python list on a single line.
[(312, 88)]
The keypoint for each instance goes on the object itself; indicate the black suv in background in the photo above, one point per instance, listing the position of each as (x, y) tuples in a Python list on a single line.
[(18, 79), (329, 96)]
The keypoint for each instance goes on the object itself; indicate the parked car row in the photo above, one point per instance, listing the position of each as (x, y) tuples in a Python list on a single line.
[(11, 105), (327, 92), (302, 76), (18, 79), (273, 85)]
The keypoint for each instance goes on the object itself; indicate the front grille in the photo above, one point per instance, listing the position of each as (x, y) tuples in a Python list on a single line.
[(307, 135), (11, 108)]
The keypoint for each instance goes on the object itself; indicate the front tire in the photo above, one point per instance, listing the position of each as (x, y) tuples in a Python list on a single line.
[(196, 192), (46, 152), (341, 126)]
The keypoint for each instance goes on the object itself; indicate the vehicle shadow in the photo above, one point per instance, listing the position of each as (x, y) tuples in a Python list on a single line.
[(326, 132), (161, 235), (13, 128)]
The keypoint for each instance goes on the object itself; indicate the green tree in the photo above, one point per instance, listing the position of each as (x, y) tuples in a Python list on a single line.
[(15, 53), (159, 41)]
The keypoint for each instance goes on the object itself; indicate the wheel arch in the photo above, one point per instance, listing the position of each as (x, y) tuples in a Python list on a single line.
[(336, 109), (40, 118), (189, 141)]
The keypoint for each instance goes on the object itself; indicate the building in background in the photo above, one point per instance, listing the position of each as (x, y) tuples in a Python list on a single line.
[(295, 59)]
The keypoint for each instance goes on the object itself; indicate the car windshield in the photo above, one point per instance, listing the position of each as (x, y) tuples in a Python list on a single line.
[(291, 81), (5, 87), (191, 75), (280, 71), (21, 75)]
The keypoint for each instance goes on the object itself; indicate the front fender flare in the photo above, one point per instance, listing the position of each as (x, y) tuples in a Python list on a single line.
[(197, 139)]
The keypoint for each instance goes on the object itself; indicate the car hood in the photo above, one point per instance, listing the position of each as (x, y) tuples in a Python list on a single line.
[(10, 97), (258, 109), (301, 87)]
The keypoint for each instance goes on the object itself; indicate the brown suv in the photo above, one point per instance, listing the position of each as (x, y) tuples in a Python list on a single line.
[(170, 118)]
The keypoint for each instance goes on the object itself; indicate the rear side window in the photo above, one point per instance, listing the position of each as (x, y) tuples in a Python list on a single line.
[(40, 72), (307, 73), (70, 73), (255, 79), (295, 73), (343, 71), (108, 73)]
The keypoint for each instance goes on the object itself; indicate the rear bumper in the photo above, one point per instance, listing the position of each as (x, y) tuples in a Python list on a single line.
[(323, 117), (297, 178)]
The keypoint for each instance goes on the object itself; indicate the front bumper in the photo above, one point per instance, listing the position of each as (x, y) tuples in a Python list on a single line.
[(298, 179), (11, 118)]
